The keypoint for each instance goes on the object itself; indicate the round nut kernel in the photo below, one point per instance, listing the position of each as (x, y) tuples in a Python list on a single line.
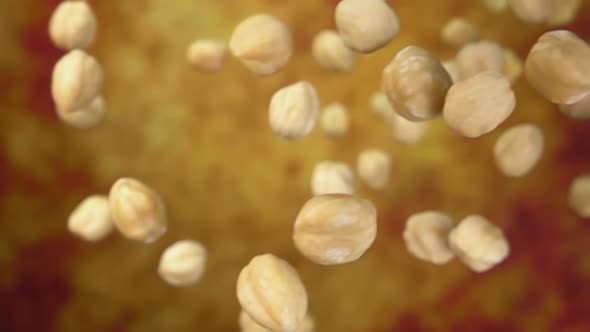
[(513, 65), (426, 236), (332, 177), (183, 263), (91, 219), (579, 196), (272, 294), (85, 117), (380, 106), (566, 12), (334, 120), (72, 25), (330, 52), (458, 32), (247, 324), (407, 132), (335, 228), (294, 110), (535, 11), (373, 167), (206, 55), (475, 58), (578, 111), (519, 149)]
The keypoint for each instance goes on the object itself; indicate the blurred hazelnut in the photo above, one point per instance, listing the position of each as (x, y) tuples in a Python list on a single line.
[(183, 263), (85, 117), (206, 55), (407, 132), (519, 149), (495, 6), (373, 167), (578, 111), (426, 236), (453, 70), (513, 65), (247, 324), (330, 52), (294, 110), (334, 120), (579, 195), (565, 13), (332, 177), (91, 219), (458, 32), (475, 58), (380, 106), (72, 25), (534, 11)]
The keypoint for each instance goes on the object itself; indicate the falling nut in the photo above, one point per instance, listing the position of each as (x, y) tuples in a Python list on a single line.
[(332, 177), (72, 25), (534, 11), (334, 120), (91, 219), (407, 132), (519, 149), (206, 55), (335, 228), (373, 167), (330, 52), (294, 110), (183, 263), (578, 111), (426, 236), (565, 13), (513, 65), (247, 324), (453, 70), (380, 106), (458, 32), (495, 6), (475, 58), (85, 117), (272, 294), (579, 195)]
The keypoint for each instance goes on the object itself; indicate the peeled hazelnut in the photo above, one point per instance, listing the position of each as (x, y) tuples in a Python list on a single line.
[(380, 106), (247, 324), (85, 117), (335, 228), (458, 32), (138, 212), (272, 294), (262, 43), (426, 235), (407, 132), (579, 196), (534, 11), (91, 219), (513, 65), (334, 120), (453, 70), (72, 25), (416, 84), (206, 55), (519, 149), (566, 12), (183, 263), (475, 58), (578, 111), (478, 243), (478, 105), (332, 177), (373, 167), (330, 52), (495, 6), (294, 110), (366, 25)]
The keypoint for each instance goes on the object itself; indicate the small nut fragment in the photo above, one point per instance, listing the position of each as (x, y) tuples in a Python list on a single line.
[(534, 11), (330, 52), (335, 228), (262, 43), (380, 106), (76, 81), (578, 111), (366, 25), (558, 67), (579, 195), (453, 70), (334, 120), (426, 236), (475, 58), (85, 117), (478, 243), (332, 177), (206, 55), (495, 6), (247, 324), (72, 25), (407, 132), (566, 12), (138, 212), (478, 105), (513, 65), (416, 84), (519, 149), (91, 219), (183, 263), (373, 167), (272, 294), (294, 110), (458, 32)]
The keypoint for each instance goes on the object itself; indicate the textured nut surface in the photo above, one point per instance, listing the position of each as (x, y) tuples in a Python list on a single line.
[(380, 106), (272, 294), (475, 58), (72, 25), (330, 52), (558, 67), (453, 70), (76, 81), (262, 43), (183, 263), (478, 243), (334, 120), (85, 117), (407, 132), (206, 55), (373, 167), (478, 105), (513, 65), (519, 149), (335, 228), (138, 211), (332, 177), (426, 236), (91, 219), (495, 6), (579, 195), (247, 324), (565, 13), (416, 84), (535, 11), (578, 111), (458, 32), (294, 110), (366, 25)]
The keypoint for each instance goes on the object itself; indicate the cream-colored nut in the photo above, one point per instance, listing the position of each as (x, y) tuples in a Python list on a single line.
[(535, 11), (478, 243), (558, 67), (72, 25), (272, 294), (513, 65), (478, 105), (206, 55), (495, 6), (85, 117), (373, 167), (579, 110), (380, 106), (407, 132), (183, 263), (458, 32), (332, 177), (453, 70), (566, 12), (330, 52), (247, 324), (334, 120), (335, 228), (91, 219), (262, 43), (138, 211), (76, 81), (294, 110), (416, 84), (426, 235), (519, 149), (366, 25), (579, 195), (475, 58)]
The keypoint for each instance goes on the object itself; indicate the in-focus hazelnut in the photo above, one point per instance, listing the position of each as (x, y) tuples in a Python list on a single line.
[(294, 110), (519, 149), (85, 117), (91, 219), (332, 177), (330, 52), (426, 236), (374, 167), (183, 263)]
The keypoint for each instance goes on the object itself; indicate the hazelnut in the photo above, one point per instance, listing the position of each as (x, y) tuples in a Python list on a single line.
[(373, 167), (247, 324), (332, 177), (475, 58), (534, 11), (565, 13), (453, 70), (85, 117), (407, 132), (579, 196), (458, 32), (330, 52), (495, 6), (426, 235), (72, 25), (183, 263), (519, 149), (334, 120), (206, 55), (294, 110), (380, 106), (513, 65), (91, 219)]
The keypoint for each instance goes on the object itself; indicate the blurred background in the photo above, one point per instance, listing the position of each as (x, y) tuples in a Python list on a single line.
[(203, 142)]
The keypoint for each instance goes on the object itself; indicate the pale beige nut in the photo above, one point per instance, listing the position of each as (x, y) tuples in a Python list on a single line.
[(578, 111), (513, 65), (366, 25), (479, 244), (579, 195), (334, 120), (271, 293), (495, 6), (453, 70), (407, 132), (330, 52), (72, 25), (426, 235), (335, 228), (332, 177), (262, 43), (138, 211), (558, 67), (534, 11), (566, 12), (416, 84), (374, 167), (478, 105), (247, 324), (91, 219), (458, 32), (380, 106), (206, 55), (475, 58), (519, 149), (294, 110), (183, 263), (85, 117)]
